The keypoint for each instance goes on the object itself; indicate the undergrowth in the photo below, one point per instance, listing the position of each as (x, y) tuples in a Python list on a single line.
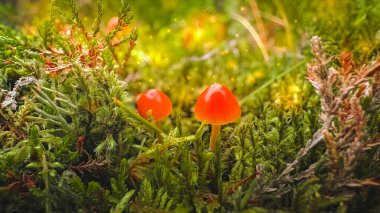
[(70, 140)]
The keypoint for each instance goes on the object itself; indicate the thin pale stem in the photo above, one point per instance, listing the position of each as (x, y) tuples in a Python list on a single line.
[(214, 133), (254, 34)]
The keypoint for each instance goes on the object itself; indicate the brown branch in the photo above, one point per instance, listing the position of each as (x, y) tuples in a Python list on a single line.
[(241, 182), (91, 165)]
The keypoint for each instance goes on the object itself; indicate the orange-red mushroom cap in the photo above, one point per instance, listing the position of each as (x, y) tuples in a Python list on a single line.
[(155, 101), (217, 105)]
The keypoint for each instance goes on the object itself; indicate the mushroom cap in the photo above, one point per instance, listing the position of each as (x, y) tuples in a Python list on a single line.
[(156, 101), (217, 105)]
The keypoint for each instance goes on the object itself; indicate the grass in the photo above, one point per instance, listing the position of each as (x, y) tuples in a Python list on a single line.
[(74, 141)]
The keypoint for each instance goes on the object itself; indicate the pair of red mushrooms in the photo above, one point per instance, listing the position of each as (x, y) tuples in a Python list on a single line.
[(216, 106)]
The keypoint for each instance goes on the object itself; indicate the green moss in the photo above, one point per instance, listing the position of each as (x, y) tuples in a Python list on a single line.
[(74, 142)]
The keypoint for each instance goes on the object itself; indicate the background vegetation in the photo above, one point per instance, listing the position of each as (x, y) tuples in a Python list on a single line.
[(307, 141)]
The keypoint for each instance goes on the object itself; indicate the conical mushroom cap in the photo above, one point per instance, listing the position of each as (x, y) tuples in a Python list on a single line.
[(156, 101), (217, 105)]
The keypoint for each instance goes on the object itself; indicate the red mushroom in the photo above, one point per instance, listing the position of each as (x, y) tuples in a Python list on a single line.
[(217, 106), (155, 101)]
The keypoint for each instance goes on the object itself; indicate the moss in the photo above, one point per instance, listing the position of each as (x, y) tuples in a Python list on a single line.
[(73, 141)]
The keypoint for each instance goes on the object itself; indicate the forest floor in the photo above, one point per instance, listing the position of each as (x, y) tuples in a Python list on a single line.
[(301, 97)]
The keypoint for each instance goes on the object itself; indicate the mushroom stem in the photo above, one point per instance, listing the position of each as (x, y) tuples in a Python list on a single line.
[(214, 132)]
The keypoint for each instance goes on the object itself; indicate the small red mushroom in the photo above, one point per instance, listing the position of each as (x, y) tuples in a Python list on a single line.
[(155, 101), (217, 106)]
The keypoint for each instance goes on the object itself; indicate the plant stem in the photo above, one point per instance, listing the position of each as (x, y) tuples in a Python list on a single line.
[(214, 132), (254, 34), (140, 119)]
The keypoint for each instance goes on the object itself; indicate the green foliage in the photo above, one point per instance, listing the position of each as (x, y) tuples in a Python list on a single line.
[(150, 199), (71, 140), (123, 202), (13, 46), (307, 198)]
